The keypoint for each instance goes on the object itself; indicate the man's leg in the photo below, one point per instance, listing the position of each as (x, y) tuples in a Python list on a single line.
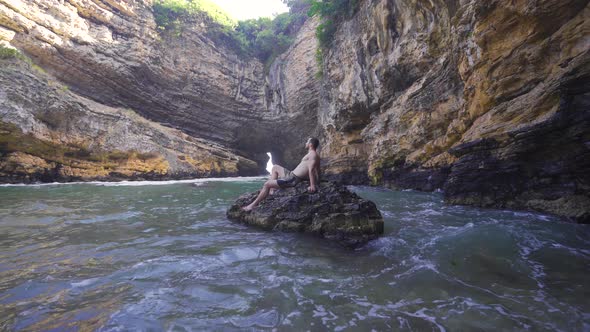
[(268, 185), (277, 172)]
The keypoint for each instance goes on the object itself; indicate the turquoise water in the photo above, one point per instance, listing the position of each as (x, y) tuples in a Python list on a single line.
[(140, 256)]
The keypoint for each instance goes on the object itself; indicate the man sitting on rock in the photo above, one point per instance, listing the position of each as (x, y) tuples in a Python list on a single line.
[(280, 177)]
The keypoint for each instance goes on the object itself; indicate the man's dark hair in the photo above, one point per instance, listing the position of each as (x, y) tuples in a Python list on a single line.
[(314, 142)]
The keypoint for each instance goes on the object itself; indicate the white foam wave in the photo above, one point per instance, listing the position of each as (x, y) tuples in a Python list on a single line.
[(422, 315), (416, 264), (444, 233), (574, 251), (109, 217), (431, 212), (141, 183), (386, 245)]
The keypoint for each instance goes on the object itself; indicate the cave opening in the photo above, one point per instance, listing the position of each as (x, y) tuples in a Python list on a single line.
[(269, 163)]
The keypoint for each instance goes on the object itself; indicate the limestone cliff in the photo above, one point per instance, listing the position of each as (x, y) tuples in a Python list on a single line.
[(487, 100), (48, 133), (100, 75)]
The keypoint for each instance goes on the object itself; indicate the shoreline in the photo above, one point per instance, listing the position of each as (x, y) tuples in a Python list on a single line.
[(134, 183), (139, 182)]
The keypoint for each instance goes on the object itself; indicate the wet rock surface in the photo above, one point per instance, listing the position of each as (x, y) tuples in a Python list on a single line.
[(333, 212)]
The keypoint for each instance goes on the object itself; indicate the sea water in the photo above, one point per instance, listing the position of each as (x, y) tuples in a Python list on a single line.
[(161, 256)]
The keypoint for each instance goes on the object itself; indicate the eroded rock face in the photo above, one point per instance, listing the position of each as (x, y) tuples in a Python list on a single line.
[(485, 99), (292, 94), (333, 212), (113, 54), (48, 133)]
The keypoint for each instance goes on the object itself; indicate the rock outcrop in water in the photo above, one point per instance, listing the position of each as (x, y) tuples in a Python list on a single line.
[(486, 99), (333, 212)]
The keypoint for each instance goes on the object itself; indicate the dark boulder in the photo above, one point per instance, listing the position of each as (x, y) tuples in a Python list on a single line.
[(333, 212)]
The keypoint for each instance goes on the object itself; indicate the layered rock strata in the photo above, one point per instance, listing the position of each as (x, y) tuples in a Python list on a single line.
[(333, 212), (48, 133), (487, 100), (113, 54)]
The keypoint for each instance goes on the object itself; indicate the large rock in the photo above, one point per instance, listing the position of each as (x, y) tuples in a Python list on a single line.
[(333, 212)]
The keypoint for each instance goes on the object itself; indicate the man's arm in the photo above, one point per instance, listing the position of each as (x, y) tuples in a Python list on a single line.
[(313, 164)]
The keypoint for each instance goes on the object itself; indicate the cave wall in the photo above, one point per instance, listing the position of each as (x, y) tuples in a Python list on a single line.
[(112, 54), (49, 133), (484, 99)]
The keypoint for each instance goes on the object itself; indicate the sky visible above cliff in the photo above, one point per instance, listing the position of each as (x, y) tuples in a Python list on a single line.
[(243, 10)]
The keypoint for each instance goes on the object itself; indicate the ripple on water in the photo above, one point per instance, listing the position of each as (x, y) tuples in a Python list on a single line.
[(108, 217), (128, 257), (261, 319), (234, 255)]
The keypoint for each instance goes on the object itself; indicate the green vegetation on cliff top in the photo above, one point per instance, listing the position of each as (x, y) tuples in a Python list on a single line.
[(167, 12), (9, 53), (263, 38), (331, 13)]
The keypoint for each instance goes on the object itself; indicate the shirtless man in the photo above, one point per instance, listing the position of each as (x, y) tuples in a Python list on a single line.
[(280, 177)]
